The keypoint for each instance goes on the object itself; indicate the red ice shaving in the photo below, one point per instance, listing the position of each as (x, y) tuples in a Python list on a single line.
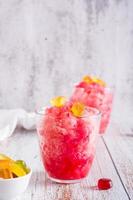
[(68, 141), (94, 92)]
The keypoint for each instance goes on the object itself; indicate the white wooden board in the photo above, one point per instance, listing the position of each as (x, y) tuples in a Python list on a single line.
[(24, 145), (120, 147)]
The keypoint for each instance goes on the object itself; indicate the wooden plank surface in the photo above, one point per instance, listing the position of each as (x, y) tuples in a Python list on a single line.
[(24, 145), (120, 147)]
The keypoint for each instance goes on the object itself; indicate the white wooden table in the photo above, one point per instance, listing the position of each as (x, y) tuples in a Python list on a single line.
[(114, 159)]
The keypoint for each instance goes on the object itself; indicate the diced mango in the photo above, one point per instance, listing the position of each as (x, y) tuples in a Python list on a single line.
[(87, 79), (58, 101), (93, 79), (100, 82), (77, 109)]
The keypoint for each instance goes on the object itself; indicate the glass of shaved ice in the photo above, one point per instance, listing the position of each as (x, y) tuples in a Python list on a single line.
[(67, 136), (94, 92)]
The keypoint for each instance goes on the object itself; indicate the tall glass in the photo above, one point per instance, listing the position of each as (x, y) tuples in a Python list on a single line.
[(67, 144)]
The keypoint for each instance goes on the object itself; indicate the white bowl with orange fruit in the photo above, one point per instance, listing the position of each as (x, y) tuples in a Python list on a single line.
[(14, 177)]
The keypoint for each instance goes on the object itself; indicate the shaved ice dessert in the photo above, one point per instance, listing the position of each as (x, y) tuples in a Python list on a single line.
[(67, 136), (92, 91)]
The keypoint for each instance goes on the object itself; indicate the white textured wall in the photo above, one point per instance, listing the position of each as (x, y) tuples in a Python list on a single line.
[(46, 46)]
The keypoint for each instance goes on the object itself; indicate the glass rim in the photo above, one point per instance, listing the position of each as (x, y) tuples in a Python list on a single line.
[(96, 113)]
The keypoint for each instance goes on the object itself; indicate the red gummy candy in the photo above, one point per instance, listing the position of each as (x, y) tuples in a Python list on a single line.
[(104, 184)]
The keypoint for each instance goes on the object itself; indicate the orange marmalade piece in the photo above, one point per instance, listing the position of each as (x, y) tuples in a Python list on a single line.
[(58, 101), (5, 173), (77, 109)]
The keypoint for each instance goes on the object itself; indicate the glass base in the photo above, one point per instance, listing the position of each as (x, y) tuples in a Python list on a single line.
[(66, 181)]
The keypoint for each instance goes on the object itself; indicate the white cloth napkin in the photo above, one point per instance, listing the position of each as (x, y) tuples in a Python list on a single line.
[(10, 119)]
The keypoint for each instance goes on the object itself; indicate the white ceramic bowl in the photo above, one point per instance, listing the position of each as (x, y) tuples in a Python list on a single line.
[(11, 188)]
